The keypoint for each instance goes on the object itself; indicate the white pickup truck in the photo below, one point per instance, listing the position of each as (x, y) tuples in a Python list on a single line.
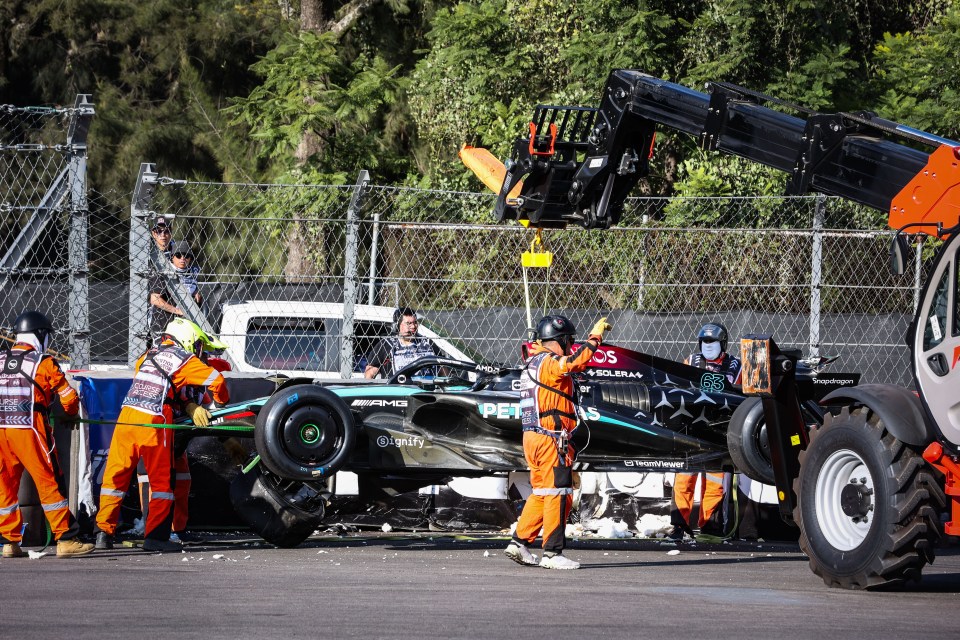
[(297, 338)]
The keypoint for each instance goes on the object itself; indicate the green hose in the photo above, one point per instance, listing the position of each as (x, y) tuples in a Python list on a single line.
[(709, 539)]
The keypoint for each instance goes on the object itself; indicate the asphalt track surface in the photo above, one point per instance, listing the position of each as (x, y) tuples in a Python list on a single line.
[(448, 586)]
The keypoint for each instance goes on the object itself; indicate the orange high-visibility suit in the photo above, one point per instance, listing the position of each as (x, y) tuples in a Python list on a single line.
[(181, 464), (711, 497), (710, 519), (26, 439), (160, 373), (549, 418)]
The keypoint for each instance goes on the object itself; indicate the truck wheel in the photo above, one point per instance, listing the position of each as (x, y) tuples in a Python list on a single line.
[(281, 512), (304, 432), (868, 505)]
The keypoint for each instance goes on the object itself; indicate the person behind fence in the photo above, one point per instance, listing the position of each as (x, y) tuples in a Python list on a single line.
[(393, 353), (186, 270), (712, 356), (162, 309), (160, 374), (548, 412), (31, 383), (162, 234)]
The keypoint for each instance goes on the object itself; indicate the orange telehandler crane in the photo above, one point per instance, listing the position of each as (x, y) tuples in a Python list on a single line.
[(868, 486)]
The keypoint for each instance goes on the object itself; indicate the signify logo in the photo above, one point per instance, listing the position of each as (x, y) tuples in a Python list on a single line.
[(390, 441)]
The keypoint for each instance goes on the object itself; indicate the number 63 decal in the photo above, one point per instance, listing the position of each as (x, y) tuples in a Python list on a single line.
[(712, 382)]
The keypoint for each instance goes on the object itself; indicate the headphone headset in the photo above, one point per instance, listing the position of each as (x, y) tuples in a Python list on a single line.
[(398, 317)]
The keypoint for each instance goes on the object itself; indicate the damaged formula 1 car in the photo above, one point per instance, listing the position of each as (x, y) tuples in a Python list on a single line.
[(440, 418)]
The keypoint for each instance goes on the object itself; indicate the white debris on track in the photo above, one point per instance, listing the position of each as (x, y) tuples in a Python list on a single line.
[(35, 555), (673, 552), (654, 526), (610, 528), (648, 526), (386, 528)]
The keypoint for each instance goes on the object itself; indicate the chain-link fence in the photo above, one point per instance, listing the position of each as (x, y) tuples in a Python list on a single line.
[(44, 231), (306, 277), (809, 270)]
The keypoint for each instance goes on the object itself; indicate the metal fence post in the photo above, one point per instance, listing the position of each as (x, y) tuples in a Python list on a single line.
[(139, 245), (816, 273), (918, 274), (350, 275), (374, 240), (79, 302)]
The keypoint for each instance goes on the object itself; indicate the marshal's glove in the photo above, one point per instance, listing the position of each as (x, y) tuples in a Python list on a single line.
[(600, 328), (201, 417)]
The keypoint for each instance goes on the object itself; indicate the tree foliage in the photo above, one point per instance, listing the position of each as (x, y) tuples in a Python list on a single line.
[(260, 90)]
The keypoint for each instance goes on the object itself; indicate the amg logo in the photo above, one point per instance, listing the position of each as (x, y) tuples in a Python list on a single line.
[(379, 403)]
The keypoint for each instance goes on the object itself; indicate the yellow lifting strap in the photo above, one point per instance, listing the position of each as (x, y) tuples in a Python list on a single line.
[(537, 258)]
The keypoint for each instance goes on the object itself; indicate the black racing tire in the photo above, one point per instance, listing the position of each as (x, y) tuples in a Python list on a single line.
[(304, 432), (747, 442), (282, 512), (868, 506)]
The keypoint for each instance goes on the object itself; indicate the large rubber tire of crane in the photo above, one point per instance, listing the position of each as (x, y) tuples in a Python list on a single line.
[(304, 432), (868, 505)]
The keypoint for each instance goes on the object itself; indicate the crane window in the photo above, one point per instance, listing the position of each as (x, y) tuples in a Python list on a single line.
[(936, 325)]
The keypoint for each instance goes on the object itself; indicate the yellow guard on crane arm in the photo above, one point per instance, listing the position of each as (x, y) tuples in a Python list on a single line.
[(488, 168)]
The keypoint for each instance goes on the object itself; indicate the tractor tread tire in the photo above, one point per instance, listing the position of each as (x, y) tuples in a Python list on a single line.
[(907, 501)]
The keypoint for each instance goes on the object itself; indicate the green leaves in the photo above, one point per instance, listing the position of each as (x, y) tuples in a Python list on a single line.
[(918, 76)]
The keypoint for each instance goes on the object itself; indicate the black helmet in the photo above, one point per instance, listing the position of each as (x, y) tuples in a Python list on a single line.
[(34, 322), (713, 331), (553, 327), (31, 322)]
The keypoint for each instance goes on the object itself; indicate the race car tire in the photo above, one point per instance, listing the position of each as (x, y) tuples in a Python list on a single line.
[(747, 439), (304, 432), (868, 505), (747, 442), (275, 509)]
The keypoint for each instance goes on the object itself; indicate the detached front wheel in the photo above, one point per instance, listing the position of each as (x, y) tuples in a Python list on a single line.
[(868, 505), (282, 512)]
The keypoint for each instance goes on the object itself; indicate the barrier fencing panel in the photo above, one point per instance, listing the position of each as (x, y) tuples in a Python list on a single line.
[(809, 270), (44, 229)]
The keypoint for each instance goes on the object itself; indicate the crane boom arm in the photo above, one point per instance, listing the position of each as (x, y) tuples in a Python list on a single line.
[(578, 164)]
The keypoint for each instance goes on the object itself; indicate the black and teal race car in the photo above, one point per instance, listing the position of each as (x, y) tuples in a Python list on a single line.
[(440, 418)]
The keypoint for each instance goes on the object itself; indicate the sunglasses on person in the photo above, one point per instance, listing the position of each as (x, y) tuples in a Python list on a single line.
[(162, 230), (708, 340), (183, 255)]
